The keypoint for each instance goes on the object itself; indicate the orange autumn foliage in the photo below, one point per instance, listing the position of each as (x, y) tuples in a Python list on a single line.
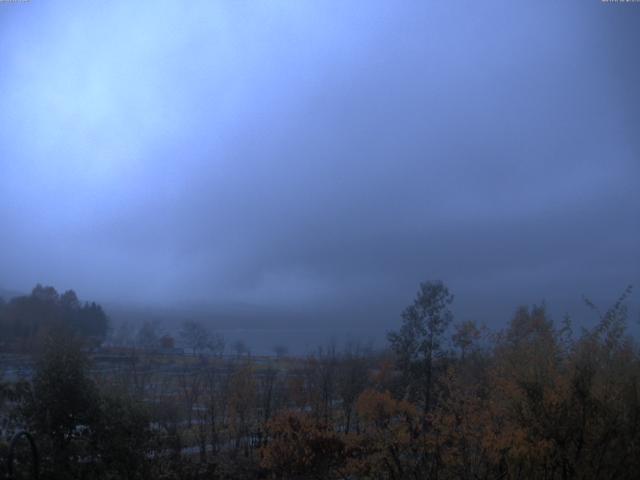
[(299, 445), (535, 403)]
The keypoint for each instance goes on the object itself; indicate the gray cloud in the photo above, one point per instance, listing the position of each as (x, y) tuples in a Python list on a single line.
[(321, 158)]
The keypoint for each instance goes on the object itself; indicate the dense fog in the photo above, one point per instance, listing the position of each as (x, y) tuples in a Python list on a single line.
[(287, 165)]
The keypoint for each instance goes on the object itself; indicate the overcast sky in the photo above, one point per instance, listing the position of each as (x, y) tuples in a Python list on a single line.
[(321, 157)]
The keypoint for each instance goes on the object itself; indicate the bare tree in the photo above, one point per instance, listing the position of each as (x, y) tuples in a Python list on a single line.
[(240, 348), (190, 383), (123, 336), (280, 351), (321, 375), (353, 379), (268, 385), (216, 344), (148, 334), (195, 336)]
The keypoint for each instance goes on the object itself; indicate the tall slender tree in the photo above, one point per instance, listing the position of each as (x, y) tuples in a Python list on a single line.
[(419, 339)]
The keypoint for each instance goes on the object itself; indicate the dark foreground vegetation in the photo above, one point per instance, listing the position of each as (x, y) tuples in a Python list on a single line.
[(445, 401)]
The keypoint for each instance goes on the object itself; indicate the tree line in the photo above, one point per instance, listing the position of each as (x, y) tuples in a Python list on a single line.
[(27, 320), (446, 400), (536, 401)]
